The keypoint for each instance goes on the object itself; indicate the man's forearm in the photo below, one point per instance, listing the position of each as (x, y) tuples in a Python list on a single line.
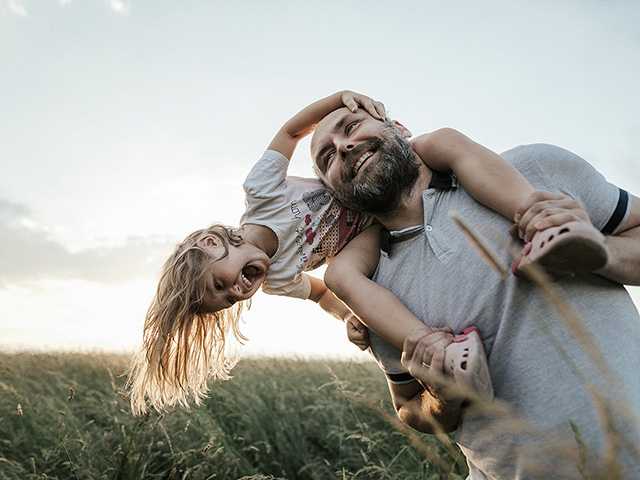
[(624, 258), (428, 414)]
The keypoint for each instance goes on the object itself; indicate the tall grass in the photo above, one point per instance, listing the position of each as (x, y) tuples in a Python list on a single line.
[(62, 416), (276, 419)]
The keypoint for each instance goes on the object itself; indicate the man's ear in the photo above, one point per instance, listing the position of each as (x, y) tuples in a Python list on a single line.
[(404, 131)]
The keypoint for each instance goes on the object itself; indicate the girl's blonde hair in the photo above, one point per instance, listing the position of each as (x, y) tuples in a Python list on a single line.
[(183, 344)]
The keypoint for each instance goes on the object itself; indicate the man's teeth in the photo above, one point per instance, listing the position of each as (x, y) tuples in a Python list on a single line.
[(247, 283), (363, 158)]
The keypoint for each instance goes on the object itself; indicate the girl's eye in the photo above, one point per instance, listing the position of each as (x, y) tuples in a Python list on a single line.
[(219, 285)]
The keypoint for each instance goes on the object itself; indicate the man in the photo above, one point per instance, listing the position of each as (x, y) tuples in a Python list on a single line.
[(537, 366)]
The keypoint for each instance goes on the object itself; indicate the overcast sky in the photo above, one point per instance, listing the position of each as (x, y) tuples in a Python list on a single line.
[(124, 125)]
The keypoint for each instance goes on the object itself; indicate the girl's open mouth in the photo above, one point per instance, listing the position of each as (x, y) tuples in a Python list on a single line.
[(250, 274)]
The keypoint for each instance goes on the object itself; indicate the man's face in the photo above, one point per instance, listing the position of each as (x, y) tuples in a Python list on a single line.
[(365, 162)]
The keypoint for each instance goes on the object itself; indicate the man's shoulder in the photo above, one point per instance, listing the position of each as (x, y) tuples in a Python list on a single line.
[(545, 155), (550, 166), (545, 165), (529, 152)]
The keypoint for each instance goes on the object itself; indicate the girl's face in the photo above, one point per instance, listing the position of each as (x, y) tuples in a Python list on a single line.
[(232, 277)]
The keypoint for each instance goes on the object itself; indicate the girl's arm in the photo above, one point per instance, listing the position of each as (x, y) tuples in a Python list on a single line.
[(489, 178), (303, 122), (357, 333), (327, 300), (348, 277)]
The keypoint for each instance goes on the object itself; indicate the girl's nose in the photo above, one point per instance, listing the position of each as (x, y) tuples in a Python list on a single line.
[(235, 291), (227, 274)]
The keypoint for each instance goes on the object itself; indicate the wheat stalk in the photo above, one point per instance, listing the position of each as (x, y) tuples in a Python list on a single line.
[(480, 245), (575, 326)]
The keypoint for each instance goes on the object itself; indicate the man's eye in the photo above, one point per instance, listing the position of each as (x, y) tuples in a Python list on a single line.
[(330, 158), (350, 127), (326, 160)]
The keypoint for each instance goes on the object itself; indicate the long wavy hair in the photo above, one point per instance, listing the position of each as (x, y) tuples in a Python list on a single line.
[(183, 345)]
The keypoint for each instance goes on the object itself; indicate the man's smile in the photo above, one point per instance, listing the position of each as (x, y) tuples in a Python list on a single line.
[(364, 158)]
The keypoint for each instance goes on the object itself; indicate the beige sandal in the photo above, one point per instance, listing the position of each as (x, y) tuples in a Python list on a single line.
[(575, 247), (466, 361)]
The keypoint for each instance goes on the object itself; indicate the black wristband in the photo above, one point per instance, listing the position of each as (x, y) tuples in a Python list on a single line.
[(618, 214)]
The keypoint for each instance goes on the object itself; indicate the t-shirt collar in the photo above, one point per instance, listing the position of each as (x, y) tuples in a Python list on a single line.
[(439, 181)]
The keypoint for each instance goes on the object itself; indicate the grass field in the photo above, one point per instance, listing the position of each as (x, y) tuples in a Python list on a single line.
[(63, 416)]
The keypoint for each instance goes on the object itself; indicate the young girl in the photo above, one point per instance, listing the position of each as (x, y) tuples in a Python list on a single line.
[(291, 225)]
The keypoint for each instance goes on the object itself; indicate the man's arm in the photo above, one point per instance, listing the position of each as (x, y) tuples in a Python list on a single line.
[(424, 403), (421, 411), (624, 249), (545, 210)]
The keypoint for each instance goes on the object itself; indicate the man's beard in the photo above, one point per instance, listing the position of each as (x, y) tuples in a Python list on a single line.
[(381, 186)]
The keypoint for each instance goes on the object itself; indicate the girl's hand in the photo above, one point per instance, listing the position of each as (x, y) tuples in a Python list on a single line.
[(357, 332), (353, 100), (543, 210)]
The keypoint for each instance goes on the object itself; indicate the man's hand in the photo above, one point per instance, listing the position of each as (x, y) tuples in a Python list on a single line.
[(545, 209), (423, 356), (357, 332), (353, 100)]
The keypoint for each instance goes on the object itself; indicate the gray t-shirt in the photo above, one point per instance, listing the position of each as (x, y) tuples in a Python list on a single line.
[(442, 279)]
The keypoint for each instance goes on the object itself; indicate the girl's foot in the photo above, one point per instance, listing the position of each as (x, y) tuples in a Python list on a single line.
[(466, 361), (575, 247)]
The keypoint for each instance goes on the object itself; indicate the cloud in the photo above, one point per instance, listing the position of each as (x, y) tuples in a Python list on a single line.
[(18, 7), (10, 210), (28, 253), (121, 7)]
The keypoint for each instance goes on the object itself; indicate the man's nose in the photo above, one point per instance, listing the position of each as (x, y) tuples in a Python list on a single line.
[(346, 147)]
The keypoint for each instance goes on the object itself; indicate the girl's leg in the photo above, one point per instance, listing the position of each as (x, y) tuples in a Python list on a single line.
[(379, 309)]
